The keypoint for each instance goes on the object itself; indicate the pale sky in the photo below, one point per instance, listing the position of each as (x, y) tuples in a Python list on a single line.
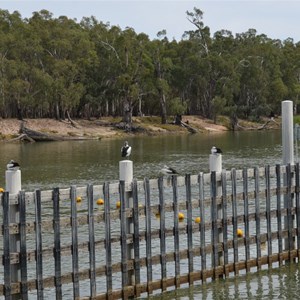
[(276, 19)]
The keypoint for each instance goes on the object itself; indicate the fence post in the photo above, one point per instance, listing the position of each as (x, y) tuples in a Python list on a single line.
[(287, 150), (287, 132), (126, 174), (215, 165), (13, 186)]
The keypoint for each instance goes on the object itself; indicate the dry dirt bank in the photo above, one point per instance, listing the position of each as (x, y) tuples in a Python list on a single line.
[(104, 127)]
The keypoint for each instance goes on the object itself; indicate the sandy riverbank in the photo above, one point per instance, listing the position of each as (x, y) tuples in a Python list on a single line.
[(104, 127)]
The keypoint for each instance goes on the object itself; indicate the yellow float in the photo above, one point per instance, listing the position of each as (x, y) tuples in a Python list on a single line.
[(100, 201)]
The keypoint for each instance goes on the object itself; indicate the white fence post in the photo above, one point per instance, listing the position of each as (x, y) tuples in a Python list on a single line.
[(13, 186), (287, 132), (287, 149), (126, 174), (215, 165)]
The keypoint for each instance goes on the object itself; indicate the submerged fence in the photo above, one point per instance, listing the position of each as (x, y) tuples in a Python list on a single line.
[(167, 233)]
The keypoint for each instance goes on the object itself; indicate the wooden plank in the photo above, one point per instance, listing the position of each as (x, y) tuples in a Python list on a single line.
[(6, 246), (108, 245), (234, 220), (148, 235), (214, 219), (162, 232), (47, 225), (75, 267), (297, 184), (114, 188), (91, 242), (123, 229), (39, 245), (176, 230), (136, 238), (189, 226), (202, 227), (246, 213), (268, 212), (57, 246), (279, 216), (289, 207), (224, 222), (23, 246), (257, 217)]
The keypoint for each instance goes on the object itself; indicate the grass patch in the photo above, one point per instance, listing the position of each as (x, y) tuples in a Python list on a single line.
[(297, 119), (72, 133), (224, 121)]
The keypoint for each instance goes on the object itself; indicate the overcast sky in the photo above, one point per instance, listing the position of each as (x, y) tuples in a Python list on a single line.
[(276, 19)]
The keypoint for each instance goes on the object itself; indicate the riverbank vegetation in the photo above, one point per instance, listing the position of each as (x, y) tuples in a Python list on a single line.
[(63, 69)]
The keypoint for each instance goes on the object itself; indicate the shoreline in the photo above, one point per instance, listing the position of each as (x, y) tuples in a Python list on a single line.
[(81, 129)]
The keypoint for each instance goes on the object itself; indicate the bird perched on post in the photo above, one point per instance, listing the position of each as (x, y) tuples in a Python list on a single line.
[(215, 150), (13, 166), (168, 171), (126, 150)]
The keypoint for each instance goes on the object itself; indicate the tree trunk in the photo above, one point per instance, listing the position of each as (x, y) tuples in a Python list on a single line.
[(140, 107), (19, 111), (163, 108), (127, 114), (57, 115)]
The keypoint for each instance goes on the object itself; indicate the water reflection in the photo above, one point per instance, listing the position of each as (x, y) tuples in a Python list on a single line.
[(279, 283), (61, 164)]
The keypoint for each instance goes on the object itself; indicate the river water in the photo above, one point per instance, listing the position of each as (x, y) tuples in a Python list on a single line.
[(61, 164)]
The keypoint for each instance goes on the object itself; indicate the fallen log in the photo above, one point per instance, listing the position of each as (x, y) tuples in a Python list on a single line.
[(38, 136), (188, 127), (22, 137), (264, 126)]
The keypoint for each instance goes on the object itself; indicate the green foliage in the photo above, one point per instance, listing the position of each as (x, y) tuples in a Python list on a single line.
[(176, 106), (296, 119), (51, 67)]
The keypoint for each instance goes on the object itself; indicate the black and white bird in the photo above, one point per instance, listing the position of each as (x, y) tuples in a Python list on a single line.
[(13, 166), (168, 171), (215, 150), (126, 150)]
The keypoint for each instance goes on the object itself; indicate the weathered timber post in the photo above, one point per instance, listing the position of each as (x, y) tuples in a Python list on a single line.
[(13, 186), (215, 167), (287, 151), (126, 175)]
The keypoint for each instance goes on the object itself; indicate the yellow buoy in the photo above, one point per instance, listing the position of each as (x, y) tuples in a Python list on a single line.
[(197, 220), (78, 199), (181, 216), (240, 232), (118, 204), (100, 201), (1, 190)]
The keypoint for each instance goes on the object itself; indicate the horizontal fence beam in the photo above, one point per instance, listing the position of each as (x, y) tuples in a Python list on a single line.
[(153, 183)]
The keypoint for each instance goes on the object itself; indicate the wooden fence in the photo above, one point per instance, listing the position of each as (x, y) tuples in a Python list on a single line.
[(69, 247)]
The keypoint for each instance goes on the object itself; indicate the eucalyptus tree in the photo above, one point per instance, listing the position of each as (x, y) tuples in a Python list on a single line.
[(67, 51), (6, 45), (211, 67), (259, 75), (290, 68), (101, 94), (14, 70), (119, 80), (162, 66)]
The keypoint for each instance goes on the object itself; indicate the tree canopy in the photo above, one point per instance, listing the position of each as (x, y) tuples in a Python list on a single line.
[(54, 67)]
